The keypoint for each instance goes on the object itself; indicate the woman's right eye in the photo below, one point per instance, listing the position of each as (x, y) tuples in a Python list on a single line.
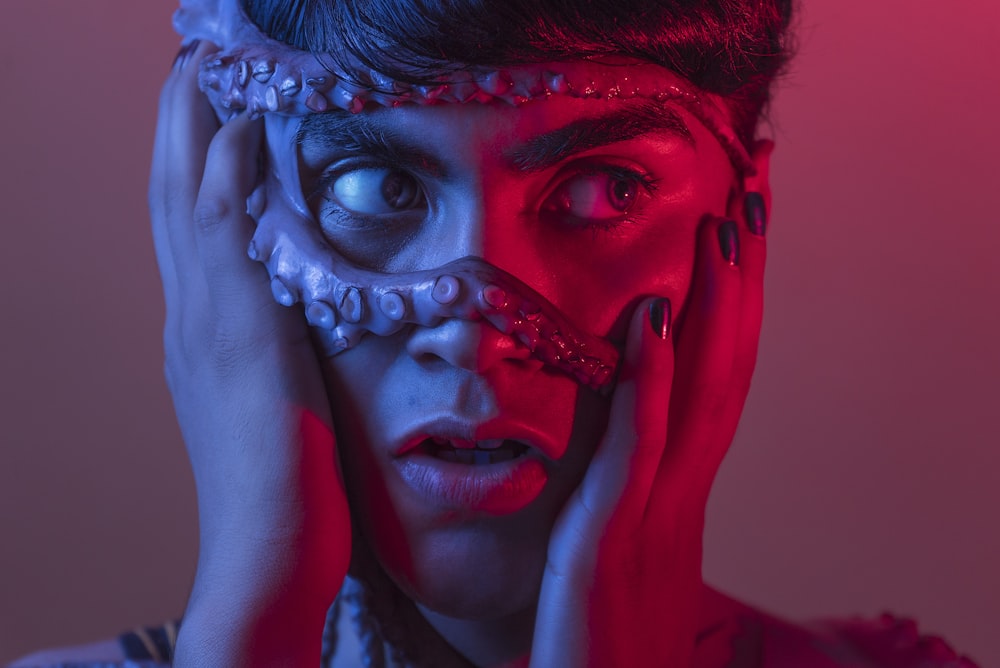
[(373, 191)]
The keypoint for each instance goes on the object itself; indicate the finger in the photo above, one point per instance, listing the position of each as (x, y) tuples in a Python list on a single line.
[(222, 229), (624, 467), (156, 194), (184, 131), (751, 212), (706, 348)]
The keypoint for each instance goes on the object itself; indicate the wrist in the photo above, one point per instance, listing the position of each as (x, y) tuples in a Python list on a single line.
[(263, 608), (250, 631)]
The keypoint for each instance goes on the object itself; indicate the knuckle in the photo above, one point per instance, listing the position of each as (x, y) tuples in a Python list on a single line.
[(209, 215), (227, 350), (228, 353), (200, 353)]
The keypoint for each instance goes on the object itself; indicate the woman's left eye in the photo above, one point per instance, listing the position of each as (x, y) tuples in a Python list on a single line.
[(596, 196), (375, 191)]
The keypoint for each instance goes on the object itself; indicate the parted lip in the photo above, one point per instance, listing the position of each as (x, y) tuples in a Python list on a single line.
[(464, 433)]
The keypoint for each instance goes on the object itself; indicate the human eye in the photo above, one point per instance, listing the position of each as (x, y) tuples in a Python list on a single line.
[(371, 191), (598, 196)]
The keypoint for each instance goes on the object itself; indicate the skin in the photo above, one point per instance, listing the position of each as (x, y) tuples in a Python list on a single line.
[(603, 567)]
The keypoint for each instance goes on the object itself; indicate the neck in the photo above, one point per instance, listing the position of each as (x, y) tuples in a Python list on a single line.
[(493, 643)]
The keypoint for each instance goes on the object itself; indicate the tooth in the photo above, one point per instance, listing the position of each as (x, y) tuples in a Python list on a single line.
[(481, 457), (490, 444), (447, 455), (464, 456)]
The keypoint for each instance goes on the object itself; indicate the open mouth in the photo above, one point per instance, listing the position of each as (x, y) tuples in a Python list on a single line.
[(474, 453), (492, 475)]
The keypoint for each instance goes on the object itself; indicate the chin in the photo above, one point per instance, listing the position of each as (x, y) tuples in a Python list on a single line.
[(474, 574), (461, 564), (482, 568)]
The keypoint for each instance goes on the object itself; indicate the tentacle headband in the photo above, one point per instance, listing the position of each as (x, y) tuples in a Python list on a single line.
[(255, 73)]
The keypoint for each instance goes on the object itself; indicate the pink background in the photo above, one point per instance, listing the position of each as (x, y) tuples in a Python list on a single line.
[(865, 474)]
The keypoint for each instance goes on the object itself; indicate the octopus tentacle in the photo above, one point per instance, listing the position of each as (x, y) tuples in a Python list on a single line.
[(346, 302), (254, 73), (254, 79)]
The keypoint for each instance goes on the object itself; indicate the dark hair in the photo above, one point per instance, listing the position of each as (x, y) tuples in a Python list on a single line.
[(734, 48)]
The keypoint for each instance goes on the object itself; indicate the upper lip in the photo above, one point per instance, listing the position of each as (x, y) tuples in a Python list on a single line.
[(459, 430)]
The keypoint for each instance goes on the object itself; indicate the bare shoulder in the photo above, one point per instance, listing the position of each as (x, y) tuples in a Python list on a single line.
[(102, 652), (740, 636)]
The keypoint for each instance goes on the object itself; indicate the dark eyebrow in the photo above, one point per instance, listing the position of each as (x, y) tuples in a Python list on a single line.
[(553, 147), (344, 132)]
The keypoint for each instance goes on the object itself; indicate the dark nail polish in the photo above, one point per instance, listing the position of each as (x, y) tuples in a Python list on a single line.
[(729, 242), (185, 53), (756, 214), (660, 317)]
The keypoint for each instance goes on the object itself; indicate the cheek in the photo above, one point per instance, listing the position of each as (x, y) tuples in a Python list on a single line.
[(599, 277), (599, 289), (359, 401)]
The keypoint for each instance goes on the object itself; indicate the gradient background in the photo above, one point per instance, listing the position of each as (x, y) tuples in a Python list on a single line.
[(865, 473)]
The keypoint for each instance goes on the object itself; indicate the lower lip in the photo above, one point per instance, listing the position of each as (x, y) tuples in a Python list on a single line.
[(498, 489)]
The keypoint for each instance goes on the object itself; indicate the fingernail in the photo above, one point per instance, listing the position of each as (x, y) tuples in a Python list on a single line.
[(729, 242), (185, 53), (660, 317), (753, 204)]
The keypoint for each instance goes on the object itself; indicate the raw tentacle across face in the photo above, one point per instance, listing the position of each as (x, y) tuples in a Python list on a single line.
[(343, 301), (346, 302)]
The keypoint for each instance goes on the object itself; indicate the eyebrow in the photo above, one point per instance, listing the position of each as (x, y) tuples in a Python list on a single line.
[(355, 133), (343, 131), (551, 148)]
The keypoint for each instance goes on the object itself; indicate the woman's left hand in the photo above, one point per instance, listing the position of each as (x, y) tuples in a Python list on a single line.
[(622, 584)]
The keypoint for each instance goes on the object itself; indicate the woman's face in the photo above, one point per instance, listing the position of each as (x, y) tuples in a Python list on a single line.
[(458, 448)]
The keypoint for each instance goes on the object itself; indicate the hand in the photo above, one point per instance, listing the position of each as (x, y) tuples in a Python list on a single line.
[(623, 580), (250, 399)]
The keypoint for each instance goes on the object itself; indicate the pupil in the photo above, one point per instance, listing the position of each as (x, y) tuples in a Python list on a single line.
[(621, 194), (398, 190)]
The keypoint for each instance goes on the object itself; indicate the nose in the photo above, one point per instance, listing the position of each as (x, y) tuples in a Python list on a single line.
[(472, 345), (477, 222)]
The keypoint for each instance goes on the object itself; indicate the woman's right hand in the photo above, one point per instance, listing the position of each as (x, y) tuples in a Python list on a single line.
[(249, 397)]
